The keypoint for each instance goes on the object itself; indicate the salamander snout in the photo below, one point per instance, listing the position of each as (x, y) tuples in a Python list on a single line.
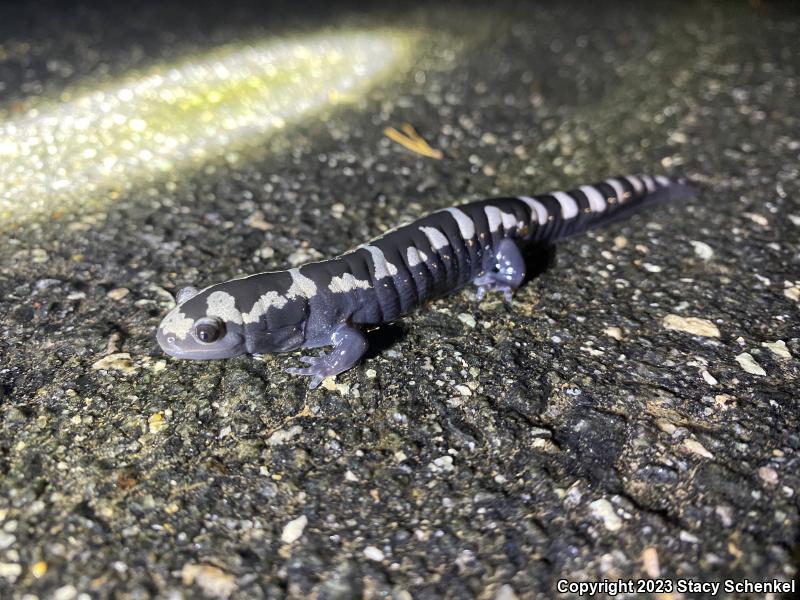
[(181, 336)]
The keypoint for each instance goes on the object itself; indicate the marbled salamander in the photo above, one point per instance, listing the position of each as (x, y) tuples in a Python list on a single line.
[(329, 303)]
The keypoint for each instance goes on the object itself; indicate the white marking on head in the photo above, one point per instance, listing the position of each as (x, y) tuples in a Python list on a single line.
[(262, 305), (436, 238), (223, 305), (596, 200), (636, 183), (493, 216), (618, 189), (347, 283), (465, 225), (649, 183), (177, 324), (301, 285), (663, 180), (569, 208), (186, 293), (383, 268), (413, 257), (538, 210)]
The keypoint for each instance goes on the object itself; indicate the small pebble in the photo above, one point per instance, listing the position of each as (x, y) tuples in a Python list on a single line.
[(265, 252), (284, 435), (294, 529), (467, 319), (443, 463), (6, 540), (697, 448), (666, 426), (303, 255), (650, 562), (118, 293), (757, 219), (373, 553), (693, 325), (212, 580), (603, 509), (725, 514), (768, 474), (120, 361), (702, 250), (687, 537), (257, 221), (337, 210), (44, 284), (329, 383), (749, 364), (709, 378), (38, 569), (157, 423), (505, 592), (778, 348), (65, 592), (10, 571), (725, 401)]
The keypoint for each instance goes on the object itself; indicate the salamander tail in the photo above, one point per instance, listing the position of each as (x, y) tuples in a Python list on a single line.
[(603, 203)]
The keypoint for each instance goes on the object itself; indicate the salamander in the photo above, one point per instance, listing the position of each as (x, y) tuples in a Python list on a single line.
[(332, 302)]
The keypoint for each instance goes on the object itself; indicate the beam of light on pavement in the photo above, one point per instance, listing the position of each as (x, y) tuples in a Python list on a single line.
[(94, 145)]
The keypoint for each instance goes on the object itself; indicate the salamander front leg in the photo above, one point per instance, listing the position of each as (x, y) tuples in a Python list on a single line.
[(349, 345), (504, 272)]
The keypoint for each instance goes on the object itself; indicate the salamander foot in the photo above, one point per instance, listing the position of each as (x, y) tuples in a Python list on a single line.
[(504, 272), (349, 345)]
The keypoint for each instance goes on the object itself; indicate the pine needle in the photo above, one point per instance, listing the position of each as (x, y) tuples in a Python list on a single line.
[(411, 140)]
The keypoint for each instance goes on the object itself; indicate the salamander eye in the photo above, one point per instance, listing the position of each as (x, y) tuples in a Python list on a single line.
[(209, 330)]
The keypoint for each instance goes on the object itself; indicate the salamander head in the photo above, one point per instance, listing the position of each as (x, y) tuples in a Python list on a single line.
[(204, 325)]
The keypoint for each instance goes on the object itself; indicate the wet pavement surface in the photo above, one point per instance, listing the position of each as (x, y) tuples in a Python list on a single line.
[(633, 415)]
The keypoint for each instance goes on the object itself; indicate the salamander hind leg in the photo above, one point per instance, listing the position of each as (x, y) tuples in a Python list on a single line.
[(349, 345), (503, 272)]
